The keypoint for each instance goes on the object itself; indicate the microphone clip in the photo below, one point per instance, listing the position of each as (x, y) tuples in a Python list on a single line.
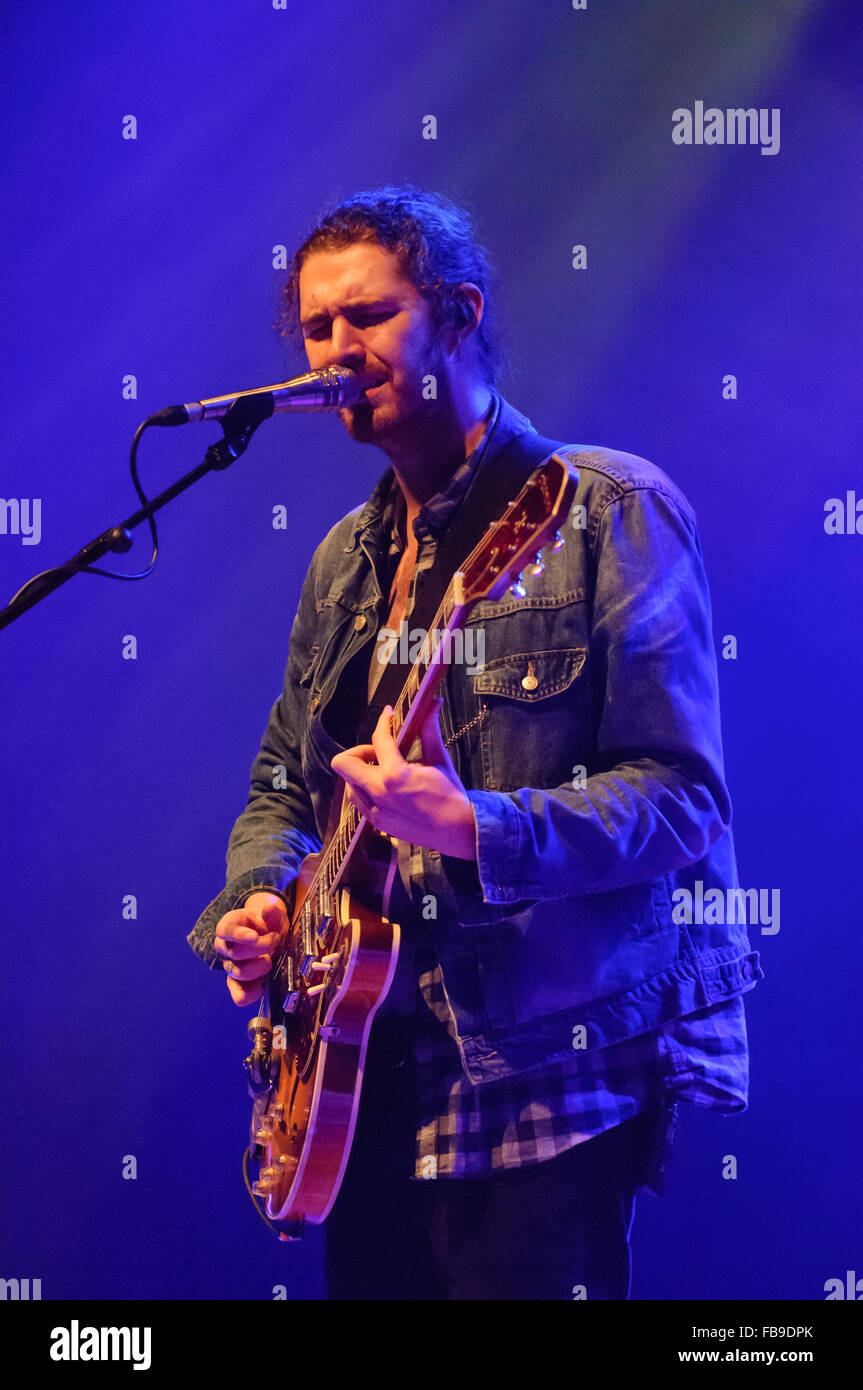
[(238, 425)]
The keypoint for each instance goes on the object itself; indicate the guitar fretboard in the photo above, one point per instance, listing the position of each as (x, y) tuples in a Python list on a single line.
[(318, 907)]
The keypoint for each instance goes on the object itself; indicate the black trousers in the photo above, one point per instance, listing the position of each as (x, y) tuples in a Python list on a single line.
[(558, 1229)]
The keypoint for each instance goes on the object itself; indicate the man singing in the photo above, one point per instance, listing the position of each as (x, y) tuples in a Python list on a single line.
[(556, 994)]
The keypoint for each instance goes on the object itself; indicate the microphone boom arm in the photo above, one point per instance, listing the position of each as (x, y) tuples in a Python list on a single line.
[(239, 424)]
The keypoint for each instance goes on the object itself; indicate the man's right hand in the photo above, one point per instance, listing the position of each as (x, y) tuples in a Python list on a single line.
[(245, 939)]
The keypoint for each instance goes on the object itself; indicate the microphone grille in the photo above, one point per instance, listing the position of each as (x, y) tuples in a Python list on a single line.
[(345, 382)]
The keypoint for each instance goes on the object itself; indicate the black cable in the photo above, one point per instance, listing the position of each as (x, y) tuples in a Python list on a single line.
[(133, 467), (94, 569), (294, 1229)]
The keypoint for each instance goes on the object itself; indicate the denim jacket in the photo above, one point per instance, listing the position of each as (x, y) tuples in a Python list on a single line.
[(589, 746)]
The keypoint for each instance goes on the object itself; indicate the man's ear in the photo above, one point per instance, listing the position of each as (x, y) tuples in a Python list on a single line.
[(470, 304), (465, 314)]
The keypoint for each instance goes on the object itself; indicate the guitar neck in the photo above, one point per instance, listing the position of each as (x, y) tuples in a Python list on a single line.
[(410, 711), (411, 708)]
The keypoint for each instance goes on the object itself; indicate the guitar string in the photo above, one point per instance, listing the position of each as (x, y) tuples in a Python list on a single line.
[(351, 820)]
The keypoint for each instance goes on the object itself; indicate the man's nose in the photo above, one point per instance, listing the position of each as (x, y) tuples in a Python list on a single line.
[(346, 344)]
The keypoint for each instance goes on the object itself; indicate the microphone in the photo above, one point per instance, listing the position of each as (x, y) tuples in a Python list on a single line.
[(329, 389)]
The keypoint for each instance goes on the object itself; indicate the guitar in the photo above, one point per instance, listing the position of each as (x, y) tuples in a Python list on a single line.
[(338, 957)]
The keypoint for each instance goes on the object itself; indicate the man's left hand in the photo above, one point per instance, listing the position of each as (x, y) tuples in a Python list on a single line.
[(423, 803)]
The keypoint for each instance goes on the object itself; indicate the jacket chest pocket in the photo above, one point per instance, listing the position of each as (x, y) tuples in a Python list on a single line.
[(536, 717), (338, 628)]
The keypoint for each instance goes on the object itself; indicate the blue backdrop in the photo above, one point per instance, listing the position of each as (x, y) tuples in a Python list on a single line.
[(140, 268)]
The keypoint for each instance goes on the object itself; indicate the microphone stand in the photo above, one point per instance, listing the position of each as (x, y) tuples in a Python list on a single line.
[(239, 424)]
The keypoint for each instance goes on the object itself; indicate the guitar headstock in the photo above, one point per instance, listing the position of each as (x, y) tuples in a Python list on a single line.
[(515, 541)]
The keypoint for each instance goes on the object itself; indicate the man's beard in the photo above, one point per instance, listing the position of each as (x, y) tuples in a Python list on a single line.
[(358, 421), (368, 423)]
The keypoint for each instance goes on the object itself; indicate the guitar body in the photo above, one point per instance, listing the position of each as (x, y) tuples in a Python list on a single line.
[(309, 1052)]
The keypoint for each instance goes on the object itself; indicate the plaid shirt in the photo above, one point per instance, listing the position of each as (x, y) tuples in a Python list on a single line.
[(464, 1130)]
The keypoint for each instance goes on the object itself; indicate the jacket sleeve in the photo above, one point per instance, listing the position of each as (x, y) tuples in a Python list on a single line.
[(656, 799), (277, 829)]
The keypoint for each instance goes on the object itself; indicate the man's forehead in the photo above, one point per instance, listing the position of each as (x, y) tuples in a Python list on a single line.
[(360, 270)]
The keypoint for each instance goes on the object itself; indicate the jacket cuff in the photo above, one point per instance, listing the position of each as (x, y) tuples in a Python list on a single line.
[(498, 835), (280, 882), (469, 890)]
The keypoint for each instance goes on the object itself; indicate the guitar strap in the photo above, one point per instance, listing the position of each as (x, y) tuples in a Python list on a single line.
[(497, 482)]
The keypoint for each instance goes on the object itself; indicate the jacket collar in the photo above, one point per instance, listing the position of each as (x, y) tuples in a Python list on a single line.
[(385, 503)]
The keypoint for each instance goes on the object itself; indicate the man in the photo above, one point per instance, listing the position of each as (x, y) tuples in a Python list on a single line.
[(554, 998)]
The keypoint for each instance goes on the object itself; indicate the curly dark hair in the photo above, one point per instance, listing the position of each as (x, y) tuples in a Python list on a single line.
[(434, 241)]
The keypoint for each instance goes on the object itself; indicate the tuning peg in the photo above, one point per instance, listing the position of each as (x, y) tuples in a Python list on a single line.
[(517, 588), (557, 542), (536, 566)]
